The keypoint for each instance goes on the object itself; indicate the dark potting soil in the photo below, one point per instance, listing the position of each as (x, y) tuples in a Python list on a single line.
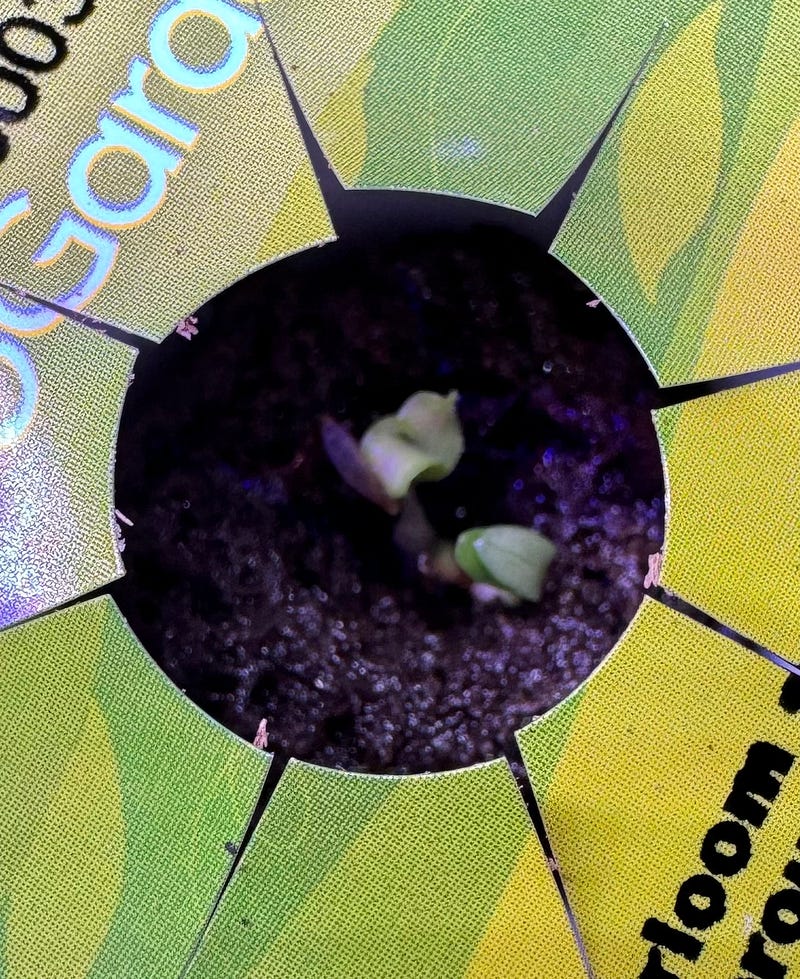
[(265, 587)]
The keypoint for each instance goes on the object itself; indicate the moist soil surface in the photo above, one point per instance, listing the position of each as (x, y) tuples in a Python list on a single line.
[(265, 587)]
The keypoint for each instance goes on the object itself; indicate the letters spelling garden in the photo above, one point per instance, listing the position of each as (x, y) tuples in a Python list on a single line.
[(132, 125)]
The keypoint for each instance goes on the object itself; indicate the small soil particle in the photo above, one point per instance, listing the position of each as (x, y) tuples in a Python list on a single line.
[(266, 588)]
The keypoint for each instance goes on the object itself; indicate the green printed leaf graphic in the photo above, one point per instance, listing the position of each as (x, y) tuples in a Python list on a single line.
[(70, 877), (367, 877), (671, 151), (742, 35)]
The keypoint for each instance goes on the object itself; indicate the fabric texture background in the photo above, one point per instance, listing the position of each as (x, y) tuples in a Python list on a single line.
[(494, 100), (634, 769), (56, 479), (685, 226), (733, 532), (120, 803), (431, 876), (240, 195)]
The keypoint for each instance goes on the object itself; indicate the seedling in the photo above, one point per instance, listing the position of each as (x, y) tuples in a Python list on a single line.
[(512, 558), (423, 442)]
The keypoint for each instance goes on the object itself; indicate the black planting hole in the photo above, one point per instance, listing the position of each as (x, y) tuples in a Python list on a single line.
[(265, 587)]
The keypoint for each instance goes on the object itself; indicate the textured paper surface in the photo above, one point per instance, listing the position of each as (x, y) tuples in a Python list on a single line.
[(687, 224), (433, 876), (117, 800), (61, 395), (192, 184), (498, 101), (634, 771), (733, 519)]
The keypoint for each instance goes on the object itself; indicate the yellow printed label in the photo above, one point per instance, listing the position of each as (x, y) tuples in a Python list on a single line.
[(157, 187), (733, 534), (673, 805), (671, 150)]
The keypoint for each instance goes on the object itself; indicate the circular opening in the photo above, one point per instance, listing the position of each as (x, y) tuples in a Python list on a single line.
[(267, 588)]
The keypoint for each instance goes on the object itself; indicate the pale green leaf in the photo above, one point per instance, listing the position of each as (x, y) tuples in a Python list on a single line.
[(421, 443), (510, 557), (467, 557)]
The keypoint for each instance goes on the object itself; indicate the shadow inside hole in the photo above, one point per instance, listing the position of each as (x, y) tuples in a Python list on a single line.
[(266, 588)]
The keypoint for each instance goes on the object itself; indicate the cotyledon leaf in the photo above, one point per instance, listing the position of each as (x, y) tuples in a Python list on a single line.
[(421, 443), (671, 150), (350, 462), (509, 557), (70, 876)]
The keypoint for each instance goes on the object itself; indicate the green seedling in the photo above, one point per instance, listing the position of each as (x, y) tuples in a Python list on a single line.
[(423, 442), (346, 455), (514, 559)]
